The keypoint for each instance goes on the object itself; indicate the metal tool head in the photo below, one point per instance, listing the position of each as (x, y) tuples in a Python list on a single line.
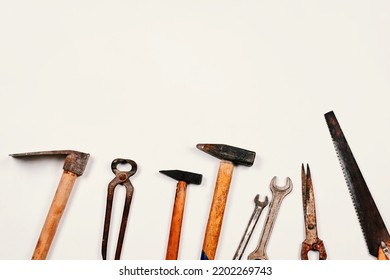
[(259, 203), (75, 161), (188, 177), (229, 153), (371, 222), (124, 175), (287, 188)]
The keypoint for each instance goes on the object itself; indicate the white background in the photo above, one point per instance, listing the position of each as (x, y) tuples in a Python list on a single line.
[(148, 80)]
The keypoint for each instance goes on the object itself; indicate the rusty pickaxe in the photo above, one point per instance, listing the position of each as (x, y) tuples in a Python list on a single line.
[(74, 166), (229, 156), (183, 178)]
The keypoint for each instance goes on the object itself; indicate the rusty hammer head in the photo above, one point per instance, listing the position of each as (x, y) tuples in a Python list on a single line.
[(185, 176), (75, 162), (229, 153)]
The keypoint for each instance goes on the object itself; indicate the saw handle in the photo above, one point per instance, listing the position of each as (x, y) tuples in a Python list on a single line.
[(54, 215), (217, 210), (381, 254)]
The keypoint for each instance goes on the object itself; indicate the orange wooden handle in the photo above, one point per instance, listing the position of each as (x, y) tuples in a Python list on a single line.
[(54, 215), (381, 254), (176, 221), (217, 210)]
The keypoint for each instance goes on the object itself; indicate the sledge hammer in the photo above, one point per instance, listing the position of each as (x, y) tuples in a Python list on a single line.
[(229, 157), (183, 178), (74, 166)]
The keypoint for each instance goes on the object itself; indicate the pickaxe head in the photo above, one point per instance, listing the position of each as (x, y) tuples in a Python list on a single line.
[(188, 177), (225, 152), (75, 161)]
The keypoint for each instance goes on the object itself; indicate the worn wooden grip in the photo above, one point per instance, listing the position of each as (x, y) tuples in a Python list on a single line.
[(217, 210), (176, 221), (381, 254), (54, 215)]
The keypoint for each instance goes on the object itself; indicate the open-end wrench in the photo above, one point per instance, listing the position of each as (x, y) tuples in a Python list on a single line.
[(259, 206), (278, 194)]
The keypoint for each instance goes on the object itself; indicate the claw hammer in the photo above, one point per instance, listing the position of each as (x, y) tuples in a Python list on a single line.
[(74, 166), (229, 157)]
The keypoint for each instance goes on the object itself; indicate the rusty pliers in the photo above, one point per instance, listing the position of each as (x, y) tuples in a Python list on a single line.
[(121, 178), (312, 242)]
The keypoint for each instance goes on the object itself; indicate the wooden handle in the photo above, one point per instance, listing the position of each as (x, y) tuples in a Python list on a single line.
[(176, 221), (217, 210), (54, 215), (381, 254)]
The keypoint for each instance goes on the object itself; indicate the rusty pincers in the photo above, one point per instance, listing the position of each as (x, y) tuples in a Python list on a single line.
[(121, 178)]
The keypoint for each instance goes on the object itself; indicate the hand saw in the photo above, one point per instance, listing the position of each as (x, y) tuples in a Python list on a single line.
[(373, 227)]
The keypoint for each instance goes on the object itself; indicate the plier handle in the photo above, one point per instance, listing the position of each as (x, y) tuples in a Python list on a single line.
[(312, 242), (121, 178)]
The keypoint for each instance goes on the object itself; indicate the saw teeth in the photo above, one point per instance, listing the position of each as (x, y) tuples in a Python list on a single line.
[(370, 220), (351, 193)]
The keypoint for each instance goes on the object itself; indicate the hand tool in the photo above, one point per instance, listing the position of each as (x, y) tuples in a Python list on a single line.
[(183, 178), (371, 222), (74, 166), (278, 194), (229, 156), (311, 242), (121, 178), (259, 206)]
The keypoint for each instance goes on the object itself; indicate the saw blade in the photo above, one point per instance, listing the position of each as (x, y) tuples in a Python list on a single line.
[(371, 222)]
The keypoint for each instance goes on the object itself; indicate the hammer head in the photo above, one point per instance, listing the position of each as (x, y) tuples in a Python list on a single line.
[(75, 161), (179, 175), (229, 153)]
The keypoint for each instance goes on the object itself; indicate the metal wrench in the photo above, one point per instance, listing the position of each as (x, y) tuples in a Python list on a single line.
[(278, 194), (259, 206)]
